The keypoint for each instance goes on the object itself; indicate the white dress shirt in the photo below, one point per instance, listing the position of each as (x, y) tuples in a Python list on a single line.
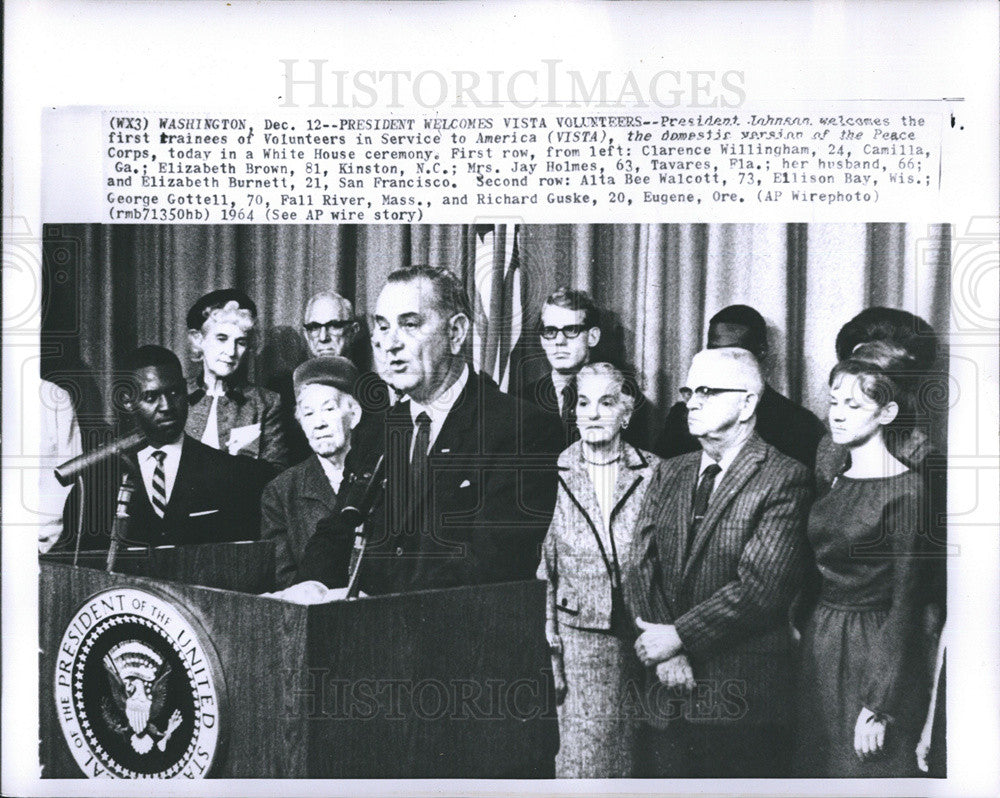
[(439, 409), (147, 464), (723, 464), (604, 477), (210, 437), (334, 474)]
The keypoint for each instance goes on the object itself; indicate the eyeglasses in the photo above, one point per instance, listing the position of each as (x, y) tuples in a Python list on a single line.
[(339, 327), (703, 392), (570, 331)]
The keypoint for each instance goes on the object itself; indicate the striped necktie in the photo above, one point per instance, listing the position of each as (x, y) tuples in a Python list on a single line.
[(700, 504), (159, 495)]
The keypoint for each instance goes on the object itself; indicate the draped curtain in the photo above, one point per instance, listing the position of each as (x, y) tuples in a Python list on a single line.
[(110, 288)]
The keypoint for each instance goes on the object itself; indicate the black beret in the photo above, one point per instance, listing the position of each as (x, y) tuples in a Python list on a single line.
[(215, 300), (337, 372)]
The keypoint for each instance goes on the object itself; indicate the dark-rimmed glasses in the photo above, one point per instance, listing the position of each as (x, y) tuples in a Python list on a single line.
[(703, 392), (570, 331), (337, 327)]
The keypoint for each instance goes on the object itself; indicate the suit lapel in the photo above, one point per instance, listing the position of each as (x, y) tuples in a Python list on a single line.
[(687, 477), (396, 441), (316, 486), (578, 486), (546, 394), (225, 415), (581, 489), (745, 465), (184, 483), (630, 474), (459, 431)]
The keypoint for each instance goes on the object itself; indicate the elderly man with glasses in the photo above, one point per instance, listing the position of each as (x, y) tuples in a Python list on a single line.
[(720, 554), (329, 324), (787, 426)]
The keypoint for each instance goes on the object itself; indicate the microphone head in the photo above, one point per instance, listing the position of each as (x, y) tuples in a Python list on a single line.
[(71, 469)]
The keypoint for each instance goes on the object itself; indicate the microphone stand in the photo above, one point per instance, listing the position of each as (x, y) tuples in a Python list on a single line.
[(79, 520), (365, 487), (119, 529)]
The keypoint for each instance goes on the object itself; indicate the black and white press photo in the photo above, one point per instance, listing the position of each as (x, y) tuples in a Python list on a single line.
[(495, 500)]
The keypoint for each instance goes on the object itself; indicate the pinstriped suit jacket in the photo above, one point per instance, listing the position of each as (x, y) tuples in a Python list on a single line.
[(729, 598)]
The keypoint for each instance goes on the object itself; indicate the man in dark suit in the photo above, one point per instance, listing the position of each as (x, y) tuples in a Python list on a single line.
[(788, 427), (185, 491), (297, 499), (721, 554), (470, 471), (569, 334)]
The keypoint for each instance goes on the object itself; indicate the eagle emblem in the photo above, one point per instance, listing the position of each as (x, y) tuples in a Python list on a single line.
[(137, 676)]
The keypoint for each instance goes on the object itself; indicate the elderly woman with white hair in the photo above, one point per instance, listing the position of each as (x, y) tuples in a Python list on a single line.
[(602, 481), (225, 411)]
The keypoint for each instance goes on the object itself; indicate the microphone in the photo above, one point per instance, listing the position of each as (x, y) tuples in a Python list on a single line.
[(359, 492), (359, 496), (69, 470), (119, 529)]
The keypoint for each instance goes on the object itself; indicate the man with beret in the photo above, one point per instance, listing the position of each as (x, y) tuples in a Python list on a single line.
[(297, 499)]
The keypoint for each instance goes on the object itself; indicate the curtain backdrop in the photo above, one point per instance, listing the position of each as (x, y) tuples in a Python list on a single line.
[(110, 288)]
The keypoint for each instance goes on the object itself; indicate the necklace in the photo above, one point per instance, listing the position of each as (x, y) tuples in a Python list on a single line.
[(602, 462)]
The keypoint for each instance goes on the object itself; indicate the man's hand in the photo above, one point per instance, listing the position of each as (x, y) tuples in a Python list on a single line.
[(657, 643), (676, 672), (311, 592), (869, 735)]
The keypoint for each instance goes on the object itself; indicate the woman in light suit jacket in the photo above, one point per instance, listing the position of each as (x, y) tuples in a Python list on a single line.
[(602, 481)]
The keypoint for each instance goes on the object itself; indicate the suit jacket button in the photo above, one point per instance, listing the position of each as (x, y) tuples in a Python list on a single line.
[(399, 551), (565, 602)]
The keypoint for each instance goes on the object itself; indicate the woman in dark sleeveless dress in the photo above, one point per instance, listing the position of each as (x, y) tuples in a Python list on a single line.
[(862, 685)]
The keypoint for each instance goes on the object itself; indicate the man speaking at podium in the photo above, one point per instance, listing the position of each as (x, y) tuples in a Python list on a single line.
[(185, 491), (470, 476)]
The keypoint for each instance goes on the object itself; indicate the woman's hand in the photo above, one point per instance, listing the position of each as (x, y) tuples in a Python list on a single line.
[(924, 749), (559, 679), (552, 635), (556, 651), (869, 734)]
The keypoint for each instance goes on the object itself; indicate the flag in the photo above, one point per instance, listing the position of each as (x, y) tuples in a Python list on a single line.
[(498, 310)]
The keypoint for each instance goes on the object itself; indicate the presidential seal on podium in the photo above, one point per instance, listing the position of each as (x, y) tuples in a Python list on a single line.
[(138, 689)]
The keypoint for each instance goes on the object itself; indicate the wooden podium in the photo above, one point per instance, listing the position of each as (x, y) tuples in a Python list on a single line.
[(435, 684)]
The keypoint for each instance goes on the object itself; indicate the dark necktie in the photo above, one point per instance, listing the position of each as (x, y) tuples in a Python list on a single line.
[(159, 496), (701, 497), (568, 413), (418, 470)]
